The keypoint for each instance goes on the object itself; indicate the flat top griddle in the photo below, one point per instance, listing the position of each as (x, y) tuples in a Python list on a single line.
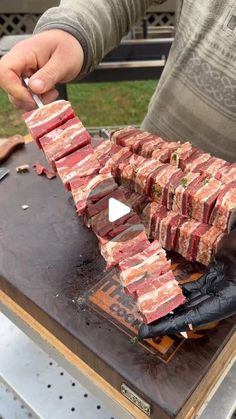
[(51, 266)]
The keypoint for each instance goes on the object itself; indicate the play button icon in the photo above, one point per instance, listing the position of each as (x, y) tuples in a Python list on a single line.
[(117, 210)]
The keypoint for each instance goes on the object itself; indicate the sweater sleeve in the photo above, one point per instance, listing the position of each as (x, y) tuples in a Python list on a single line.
[(98, 25)]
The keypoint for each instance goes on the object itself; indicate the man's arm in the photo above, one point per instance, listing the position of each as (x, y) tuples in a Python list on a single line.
[(68, 42), (98, 25)]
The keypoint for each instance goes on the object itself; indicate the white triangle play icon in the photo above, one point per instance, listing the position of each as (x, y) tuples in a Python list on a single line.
[(116, 209)]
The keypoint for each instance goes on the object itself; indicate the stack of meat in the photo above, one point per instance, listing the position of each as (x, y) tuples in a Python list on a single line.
[(181, 199), (87, 171), (193, 195)]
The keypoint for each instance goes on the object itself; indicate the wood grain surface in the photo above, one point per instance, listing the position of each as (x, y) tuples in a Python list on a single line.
[(51, 267)]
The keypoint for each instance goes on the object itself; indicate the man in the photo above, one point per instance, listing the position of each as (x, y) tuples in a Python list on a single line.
[(195, 98)]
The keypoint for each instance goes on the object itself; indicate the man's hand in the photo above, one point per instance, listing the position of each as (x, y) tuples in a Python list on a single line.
[(49, 57), (211, 298)]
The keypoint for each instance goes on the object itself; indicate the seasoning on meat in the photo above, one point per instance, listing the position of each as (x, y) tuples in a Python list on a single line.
[(180, 194), (143, 176), (165, 151), (224, 213), (162, 187), (182, 153)]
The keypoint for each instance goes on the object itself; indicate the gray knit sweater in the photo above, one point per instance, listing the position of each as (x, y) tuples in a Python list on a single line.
[(196, 97)]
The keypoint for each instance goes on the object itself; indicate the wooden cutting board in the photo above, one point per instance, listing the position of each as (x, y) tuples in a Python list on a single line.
[(50, 265)]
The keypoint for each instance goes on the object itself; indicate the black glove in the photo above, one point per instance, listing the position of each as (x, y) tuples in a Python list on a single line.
[(211, 298)]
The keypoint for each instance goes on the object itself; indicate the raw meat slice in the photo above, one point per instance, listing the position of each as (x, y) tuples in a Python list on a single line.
[(167, 229), (183, 236), (160, 214), (151, 311), (223, 215), (134, 200), (72, 137), (143, 175), (47, 138), (103, 151), (182, 153), (158, 280), (126, 171), (227, 174), (91, 189), (128, 243), (201, 199), (129, 268), (161, 267), (50, 136), (180, 194), (131, 141), (106, 231), (147, 145), (161, 184), (95, 208), (159, 296), (135, 270), (211, 166), (43, 120), (139, 139), (171, 186), (118, 154), (194, 241), (195, 160), (101, 225), (78, 164), (165, 151), (117, 136), (42, 170), (147, 217), (207, 245)]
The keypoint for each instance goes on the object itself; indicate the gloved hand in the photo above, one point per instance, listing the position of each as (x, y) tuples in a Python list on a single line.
[(211, 298)]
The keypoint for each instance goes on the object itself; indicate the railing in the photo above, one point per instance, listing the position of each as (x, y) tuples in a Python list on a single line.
[(20, 16)]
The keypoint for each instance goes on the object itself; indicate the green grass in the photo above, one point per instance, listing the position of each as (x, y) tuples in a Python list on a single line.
[(98, 104), (118, 103), (10, 119)]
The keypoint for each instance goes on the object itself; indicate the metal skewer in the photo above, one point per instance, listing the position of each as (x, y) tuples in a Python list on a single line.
[(36, 98)]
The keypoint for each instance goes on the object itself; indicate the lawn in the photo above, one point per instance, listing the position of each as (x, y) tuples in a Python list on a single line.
[(97, 104)]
